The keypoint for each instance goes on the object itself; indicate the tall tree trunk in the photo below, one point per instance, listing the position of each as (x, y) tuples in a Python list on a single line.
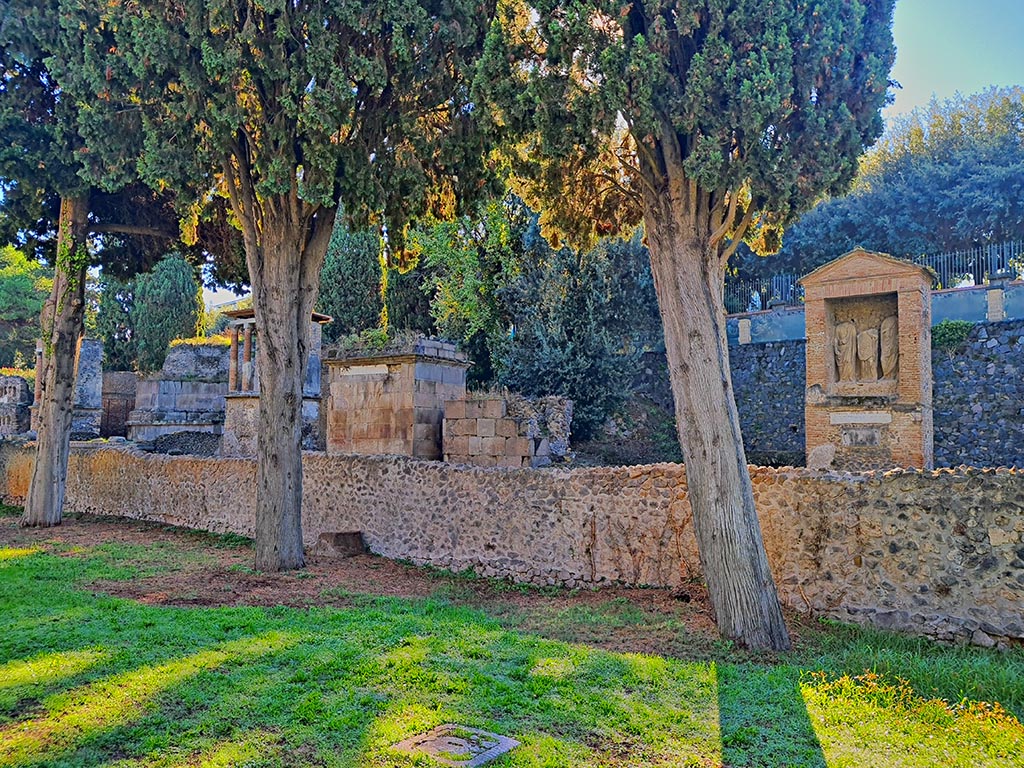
[(62, 324), (688, 280), (285, 278)]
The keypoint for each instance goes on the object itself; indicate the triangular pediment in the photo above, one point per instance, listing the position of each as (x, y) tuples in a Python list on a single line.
[(860, 264)]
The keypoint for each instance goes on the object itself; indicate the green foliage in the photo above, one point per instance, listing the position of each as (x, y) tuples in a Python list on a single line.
[(540, 320), (139, 318), (568, 314), (24, 286), (764, 105), (950, 335), (350, 282), (114, 323), (168, 305), (944, 178), (377, 341), (308, 104), (473, 259)]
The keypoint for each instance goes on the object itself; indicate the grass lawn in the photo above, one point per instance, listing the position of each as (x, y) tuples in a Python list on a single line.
[(89, 679)]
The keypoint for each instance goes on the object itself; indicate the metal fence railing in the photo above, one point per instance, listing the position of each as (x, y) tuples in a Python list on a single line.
[(974, 266), (755, 294)]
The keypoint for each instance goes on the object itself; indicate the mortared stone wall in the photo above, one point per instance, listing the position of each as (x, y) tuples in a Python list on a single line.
[(937, 552)]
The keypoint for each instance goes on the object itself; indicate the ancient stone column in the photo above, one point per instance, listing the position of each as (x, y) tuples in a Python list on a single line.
[(247, 359), (233, 361)]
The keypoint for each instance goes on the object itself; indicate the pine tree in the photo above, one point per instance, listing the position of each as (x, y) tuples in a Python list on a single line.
[(714, 121), (285, 109)]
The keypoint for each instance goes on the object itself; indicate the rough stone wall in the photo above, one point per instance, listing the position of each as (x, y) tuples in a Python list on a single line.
[(934, 552), (768, 380), (979, 398)]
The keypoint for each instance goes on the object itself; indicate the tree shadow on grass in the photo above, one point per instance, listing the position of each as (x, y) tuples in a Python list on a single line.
[(763, 718)]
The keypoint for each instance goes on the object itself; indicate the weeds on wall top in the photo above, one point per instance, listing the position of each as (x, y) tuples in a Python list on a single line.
[(218, 340), (950, 335), (373, 342)]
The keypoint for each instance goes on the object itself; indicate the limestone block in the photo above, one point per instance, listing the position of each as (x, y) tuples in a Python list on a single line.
[(494, 408), (519, 446), (455, 409), (458, 445), (493, 446), (485, 427)]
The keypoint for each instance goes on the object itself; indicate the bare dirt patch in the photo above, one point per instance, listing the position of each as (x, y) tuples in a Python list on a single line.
[(197, 569)]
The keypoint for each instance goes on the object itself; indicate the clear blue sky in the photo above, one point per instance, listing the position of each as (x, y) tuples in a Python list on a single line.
[(945, 46)]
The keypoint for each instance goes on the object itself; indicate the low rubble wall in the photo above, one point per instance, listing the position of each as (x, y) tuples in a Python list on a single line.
[(939, 553)]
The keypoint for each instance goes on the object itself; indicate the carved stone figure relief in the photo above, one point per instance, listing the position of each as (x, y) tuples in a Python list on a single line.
[(867, 355), (846, 351), (890, 346)]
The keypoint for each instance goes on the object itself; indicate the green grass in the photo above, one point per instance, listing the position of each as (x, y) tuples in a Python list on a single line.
[(89, 680)]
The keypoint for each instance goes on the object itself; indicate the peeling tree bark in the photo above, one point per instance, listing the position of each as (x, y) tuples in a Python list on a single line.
[(62, 324), (688, 278)]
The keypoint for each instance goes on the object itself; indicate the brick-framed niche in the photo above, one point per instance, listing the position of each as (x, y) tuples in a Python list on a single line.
[(869, 371)]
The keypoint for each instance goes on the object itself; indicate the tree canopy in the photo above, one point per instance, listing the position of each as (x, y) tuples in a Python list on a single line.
[(944, 178)]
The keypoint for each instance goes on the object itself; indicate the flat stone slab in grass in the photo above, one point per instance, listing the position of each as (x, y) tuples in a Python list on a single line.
[(458, 745)]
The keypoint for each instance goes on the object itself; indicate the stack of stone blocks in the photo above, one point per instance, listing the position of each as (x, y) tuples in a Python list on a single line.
[(15, 399), (187, 395), (501, 432), (393, 403)]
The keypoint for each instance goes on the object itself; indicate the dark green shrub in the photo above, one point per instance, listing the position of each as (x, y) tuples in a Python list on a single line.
[(950, 335)]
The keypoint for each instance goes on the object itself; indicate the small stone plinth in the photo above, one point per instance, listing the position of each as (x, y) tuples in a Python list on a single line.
[(14, 405), (340, 545), (458, 745)]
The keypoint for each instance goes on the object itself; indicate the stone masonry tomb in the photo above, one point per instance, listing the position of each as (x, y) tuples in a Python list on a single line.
[(392, 402), (869, 384), (187, 395), (241, 416)]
